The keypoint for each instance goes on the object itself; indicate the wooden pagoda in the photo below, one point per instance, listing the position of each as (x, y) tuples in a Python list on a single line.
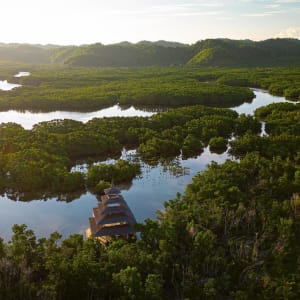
[(112, 218)]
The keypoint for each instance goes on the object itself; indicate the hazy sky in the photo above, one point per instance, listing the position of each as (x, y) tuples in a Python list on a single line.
[(109, 21)]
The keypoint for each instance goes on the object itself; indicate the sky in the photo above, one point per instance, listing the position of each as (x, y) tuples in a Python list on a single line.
[(76, 22)]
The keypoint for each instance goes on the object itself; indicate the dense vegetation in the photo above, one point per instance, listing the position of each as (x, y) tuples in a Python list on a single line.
[(234, 234), (90, 89), (121, 171), (211, 52), (278, 81), (41, 159), (246, 53), (81, 89)]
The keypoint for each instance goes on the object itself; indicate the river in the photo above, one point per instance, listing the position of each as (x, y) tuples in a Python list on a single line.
[(28, 118), (145, 195)]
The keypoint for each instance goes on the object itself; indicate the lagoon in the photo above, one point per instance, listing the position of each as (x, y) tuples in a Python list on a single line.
[(145, 195), (28, 118)]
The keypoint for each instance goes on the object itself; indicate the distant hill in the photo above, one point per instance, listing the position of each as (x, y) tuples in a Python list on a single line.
[(210, 52), (129, 55), (165, 44), (25, 53), (234, 53)]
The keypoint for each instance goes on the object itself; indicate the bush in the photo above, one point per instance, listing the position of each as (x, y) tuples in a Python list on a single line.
[(218, 144), (99, 188), (119, 172)]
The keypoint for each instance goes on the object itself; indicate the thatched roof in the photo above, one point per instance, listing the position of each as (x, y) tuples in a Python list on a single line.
[(112, 190), (116, 219), (113, 216), (111, 200), (116, 230)]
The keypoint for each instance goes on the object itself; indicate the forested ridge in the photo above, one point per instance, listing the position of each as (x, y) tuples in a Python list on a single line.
[(210, 52)]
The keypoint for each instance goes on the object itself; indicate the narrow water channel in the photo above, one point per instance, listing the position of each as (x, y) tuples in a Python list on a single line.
[(27, 118)]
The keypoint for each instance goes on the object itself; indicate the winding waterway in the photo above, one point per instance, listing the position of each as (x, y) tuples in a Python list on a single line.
[(6, 86), (145, 195), (28, 118)]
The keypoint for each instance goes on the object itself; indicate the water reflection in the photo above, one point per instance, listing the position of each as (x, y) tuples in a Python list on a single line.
[(22, 74), (45, 217), (6, 86), (45, 196), (262, 98), (27, 118), (144, 195)]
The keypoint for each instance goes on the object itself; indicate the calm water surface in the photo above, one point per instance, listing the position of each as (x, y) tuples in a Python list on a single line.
[(145, 195), (6, 86), (27, 118), (22, 74), (263, 98)]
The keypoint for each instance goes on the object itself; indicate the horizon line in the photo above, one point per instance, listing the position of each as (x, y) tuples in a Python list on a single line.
[(140, 41)]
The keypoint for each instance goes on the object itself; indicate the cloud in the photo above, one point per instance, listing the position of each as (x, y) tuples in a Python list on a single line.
[(199, 13), (225, 18), (287, 1), (168, 10), (200, 4), (264, 14), (273, 5), (291, 32), (254, 15)]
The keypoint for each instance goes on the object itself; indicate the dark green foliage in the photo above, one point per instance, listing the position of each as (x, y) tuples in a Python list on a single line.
[(218, 144), (246, 53), (128, 55), (101, 185), (278, 81), (40, 159), (88, 89), (247, 124), (281, 118), (119, 172), (191, 145), (210, 52), (234, 234), (157, 148), (32, 169)]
